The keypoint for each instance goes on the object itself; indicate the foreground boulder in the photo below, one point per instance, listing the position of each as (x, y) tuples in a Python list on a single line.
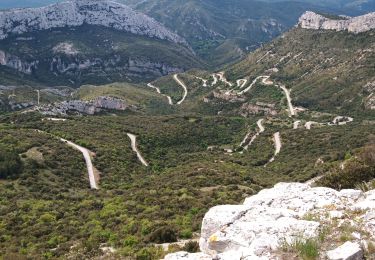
[(348, 251), (280, 216)]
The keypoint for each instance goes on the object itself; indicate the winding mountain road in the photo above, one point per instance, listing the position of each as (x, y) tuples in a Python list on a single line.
[(215, 80), (309, 124), (54, 119), (222, 78), (252, 84), (182, 84), (278, 145), (261, 130), (38, 91), (86, 155), (170, 102), (342, 120), (203, 80), (241, 83), (133, 140), (296, 124), (261, 127), (292, 112)]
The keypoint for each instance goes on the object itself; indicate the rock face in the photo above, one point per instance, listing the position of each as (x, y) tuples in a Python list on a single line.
[(115, 64), (85, 107), (280, 216), (16, 63), (248, 109), (76, 13), (95, 66), (348, 251), (311, 20)]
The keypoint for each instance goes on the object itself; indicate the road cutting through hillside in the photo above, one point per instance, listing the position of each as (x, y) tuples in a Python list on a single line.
[(342, 120), (38, 92), (170, 102), (222, 78), (214, 82), (266, 81), (241, 83), (292, 112), (54, 119), (133, 140), (203, 80), (252, 84), (261, 130), (309, 124), (296, 124), (278, 145), (86, 155), (182, 84)]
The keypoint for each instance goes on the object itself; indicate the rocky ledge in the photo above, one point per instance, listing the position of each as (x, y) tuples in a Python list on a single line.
[(311, 20), (342, 224), (84, 107), (75, 13)]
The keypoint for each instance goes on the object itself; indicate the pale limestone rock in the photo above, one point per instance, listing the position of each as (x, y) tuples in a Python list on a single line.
[(311, 20), (75, 13), (187, 256), (367, 202), (298, 197), (244, 254), (351, 194), (347, 251), (281, 215), (85, 107), (216, 218), (336, 214)]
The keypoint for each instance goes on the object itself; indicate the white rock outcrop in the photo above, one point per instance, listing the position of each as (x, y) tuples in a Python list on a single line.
[(79, 12), (347, 251), (274, 217), (311, 20)]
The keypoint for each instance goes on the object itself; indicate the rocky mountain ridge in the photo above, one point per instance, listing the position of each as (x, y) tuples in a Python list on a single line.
[(85, 107), (311, 20), (76, 13), (280, 216)]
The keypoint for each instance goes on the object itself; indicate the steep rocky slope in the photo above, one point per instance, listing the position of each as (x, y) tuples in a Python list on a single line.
[(318, 64), (76, 13), (224, 31), (96, 42), (281, 217), (302, 70), (364, 23)]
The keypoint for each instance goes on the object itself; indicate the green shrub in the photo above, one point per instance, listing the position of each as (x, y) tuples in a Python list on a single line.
[(161, 235), (10, 164), (191, 247), (307, 249)]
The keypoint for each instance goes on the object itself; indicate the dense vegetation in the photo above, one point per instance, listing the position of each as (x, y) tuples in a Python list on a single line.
[(10, 164), (195, 160), (358, 169), (137, 206)]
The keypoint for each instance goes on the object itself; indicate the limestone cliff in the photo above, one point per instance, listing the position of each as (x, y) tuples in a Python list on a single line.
[(84, 107), (311, 20), (75, 13), (280, 216)]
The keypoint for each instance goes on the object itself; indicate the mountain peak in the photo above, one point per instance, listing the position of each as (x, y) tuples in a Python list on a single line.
[(78, 12), (311, 20)]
